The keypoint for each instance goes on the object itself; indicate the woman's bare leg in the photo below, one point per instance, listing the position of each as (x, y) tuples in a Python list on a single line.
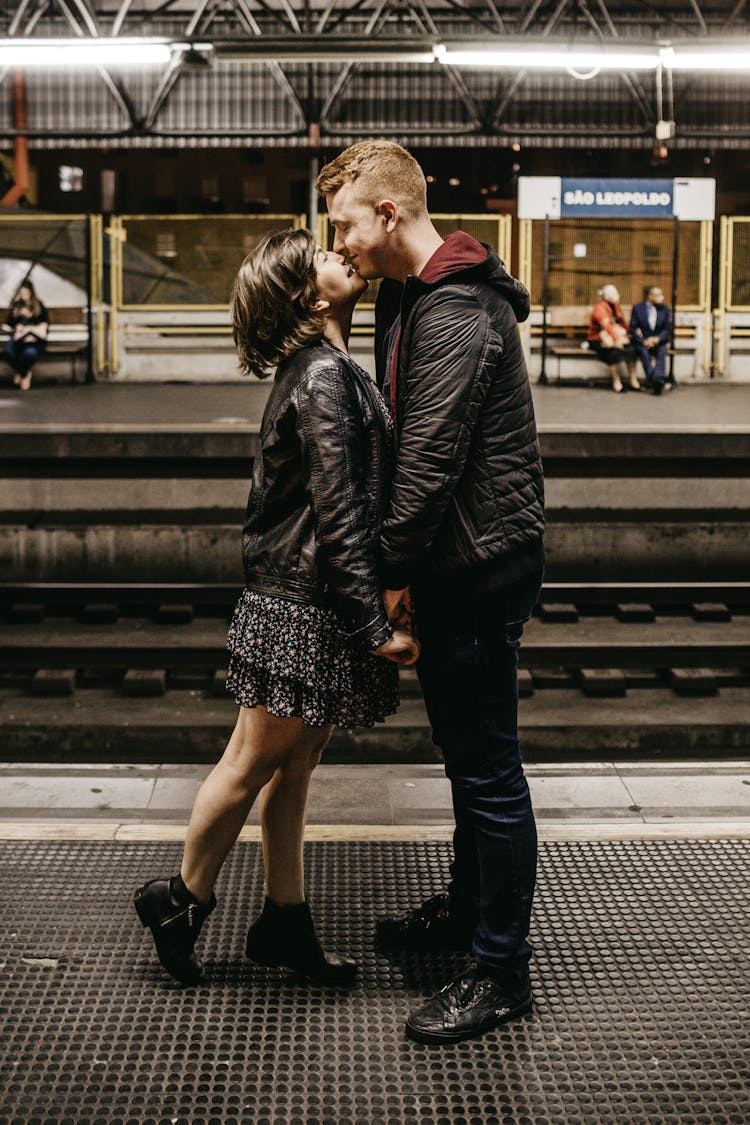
[(283, 805), (284, 933), (616, 380), (259, 745), (633, 377)]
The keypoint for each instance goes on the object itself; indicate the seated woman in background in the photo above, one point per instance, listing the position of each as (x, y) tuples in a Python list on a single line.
[(608, 337), (28, 322)]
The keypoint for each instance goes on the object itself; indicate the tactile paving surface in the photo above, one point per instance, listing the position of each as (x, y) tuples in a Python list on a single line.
[(641, 982)]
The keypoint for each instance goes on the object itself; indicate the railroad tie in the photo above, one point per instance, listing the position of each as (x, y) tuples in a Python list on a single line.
[(602, 681), (711, 611), (145, 681), (53, 681), (219, 682), (693, 681), (525, 683)]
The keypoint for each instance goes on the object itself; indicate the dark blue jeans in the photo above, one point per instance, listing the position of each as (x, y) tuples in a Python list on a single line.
[(468, 673), (22, 357)]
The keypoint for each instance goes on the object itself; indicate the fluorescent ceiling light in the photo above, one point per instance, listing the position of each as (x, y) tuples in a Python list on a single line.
[(84, 52), (550, 57), (690, 57)]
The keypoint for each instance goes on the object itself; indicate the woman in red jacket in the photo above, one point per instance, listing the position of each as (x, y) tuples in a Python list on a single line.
[(608, 337)]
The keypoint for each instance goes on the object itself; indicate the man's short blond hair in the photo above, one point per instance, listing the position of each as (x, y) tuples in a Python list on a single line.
[(381, 170)]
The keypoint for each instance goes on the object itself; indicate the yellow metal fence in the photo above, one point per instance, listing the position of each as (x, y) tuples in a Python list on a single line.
[(732, 314), (185, 264), (69, 247), (584, 255), (179, 264)]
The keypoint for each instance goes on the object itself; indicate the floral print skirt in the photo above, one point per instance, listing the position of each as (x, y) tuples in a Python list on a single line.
[(294, 659)]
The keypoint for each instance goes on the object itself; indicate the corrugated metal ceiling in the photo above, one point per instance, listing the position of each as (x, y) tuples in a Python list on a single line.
[(239, 103)]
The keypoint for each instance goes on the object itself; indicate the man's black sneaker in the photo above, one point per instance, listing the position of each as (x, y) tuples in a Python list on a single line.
[(469, 1005), (433, 925)]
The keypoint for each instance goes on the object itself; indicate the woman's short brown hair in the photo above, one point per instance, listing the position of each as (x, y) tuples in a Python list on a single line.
[(271, 301)]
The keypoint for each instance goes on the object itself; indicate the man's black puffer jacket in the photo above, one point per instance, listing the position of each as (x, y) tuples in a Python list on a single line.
[(467, 500), (320, 488)]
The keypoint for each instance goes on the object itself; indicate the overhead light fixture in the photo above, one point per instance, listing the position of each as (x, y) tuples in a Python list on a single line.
[(583, 59), (593, 57), (522, 56), (706, 56), (69, 53)]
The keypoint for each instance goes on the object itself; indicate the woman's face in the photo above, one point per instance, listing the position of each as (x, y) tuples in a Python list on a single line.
[(24, 295), (337, 282)]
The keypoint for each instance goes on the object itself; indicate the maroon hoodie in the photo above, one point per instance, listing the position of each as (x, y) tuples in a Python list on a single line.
[(457, 251)]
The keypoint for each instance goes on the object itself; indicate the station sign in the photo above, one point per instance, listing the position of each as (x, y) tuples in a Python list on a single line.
[(615, 199), (569, 197)]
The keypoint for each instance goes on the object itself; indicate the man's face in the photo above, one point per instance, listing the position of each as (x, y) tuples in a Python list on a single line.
[(360, 232), (656, 297)]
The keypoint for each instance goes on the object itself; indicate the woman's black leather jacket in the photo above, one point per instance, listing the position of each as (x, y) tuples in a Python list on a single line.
[(320, 487)]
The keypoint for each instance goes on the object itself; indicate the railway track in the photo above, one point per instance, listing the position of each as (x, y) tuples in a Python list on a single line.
[(689, 637), (128, 661)]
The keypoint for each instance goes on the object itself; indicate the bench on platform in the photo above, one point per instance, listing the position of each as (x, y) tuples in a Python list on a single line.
[(567, 329)]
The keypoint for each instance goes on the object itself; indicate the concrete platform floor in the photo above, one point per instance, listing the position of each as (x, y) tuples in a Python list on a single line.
[(701, 407), (638, 799)]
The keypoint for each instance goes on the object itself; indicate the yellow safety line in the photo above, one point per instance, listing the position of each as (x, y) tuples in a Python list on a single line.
[(95, 831)]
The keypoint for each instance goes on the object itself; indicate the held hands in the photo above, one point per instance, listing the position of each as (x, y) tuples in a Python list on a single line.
[(403, 647)]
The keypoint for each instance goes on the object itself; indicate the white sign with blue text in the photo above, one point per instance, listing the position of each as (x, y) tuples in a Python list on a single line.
[(556, 197), (615, 199)]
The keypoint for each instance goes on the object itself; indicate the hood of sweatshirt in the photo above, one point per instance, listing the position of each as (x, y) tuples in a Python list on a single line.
[(462, 259)]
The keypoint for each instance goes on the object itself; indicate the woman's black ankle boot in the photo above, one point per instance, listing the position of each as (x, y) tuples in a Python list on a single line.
[(174, 917), (285, 936)]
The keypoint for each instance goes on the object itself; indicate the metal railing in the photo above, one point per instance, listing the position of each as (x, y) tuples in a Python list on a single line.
[(170, 275)]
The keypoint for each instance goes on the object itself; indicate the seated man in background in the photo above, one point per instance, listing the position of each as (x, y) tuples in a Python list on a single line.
[(650, 330)]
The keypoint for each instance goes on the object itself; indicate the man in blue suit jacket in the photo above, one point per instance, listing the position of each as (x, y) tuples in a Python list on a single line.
[(650, 329)]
